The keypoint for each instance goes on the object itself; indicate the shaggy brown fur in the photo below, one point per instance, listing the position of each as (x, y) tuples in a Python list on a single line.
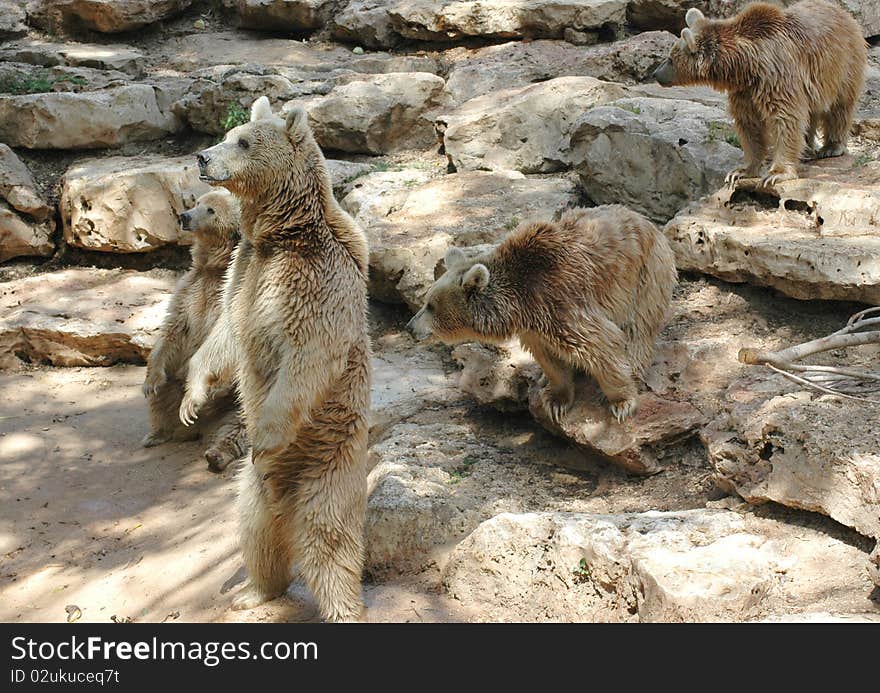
[(214, 224), (589, 292), (787, 73), (295, 333)]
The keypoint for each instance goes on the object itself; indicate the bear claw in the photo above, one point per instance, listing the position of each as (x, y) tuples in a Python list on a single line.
[(623, 410)]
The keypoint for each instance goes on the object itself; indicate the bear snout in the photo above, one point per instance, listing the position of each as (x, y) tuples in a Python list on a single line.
[(665, 74), (184, 220), (203, 160)]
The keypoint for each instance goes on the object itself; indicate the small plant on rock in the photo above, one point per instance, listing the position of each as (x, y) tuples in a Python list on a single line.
[(236, 115)]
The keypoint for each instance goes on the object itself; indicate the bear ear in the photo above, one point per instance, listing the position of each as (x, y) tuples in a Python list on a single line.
[(297, 120), (476, 278), (694, 18), (689, 40), (453, 256), (261, 109)]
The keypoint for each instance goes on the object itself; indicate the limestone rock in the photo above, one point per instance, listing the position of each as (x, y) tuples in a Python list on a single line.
[(26, 223), (364, 23), (18, 188), (521, 129), (118, 57), (12, 18), (87, 120), (128, 204), (815, 454), (516, 64), (661, 14), (813, 237), (462, 209), (20, 236), (430, 20), (379, 114), (105, 16), (653, 155), (83, 316), (497, 376)]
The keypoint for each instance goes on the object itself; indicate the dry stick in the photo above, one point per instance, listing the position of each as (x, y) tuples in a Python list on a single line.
[(835, 379)]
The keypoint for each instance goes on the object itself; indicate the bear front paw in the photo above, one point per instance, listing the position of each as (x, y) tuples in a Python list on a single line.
[(155, 379), (623, 410), (777, 175), (557, 402), (190, 405)]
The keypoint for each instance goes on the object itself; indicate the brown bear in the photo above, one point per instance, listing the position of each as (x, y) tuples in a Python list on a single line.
[(294, 330), (787, 73), (589, 292), (214, 225)]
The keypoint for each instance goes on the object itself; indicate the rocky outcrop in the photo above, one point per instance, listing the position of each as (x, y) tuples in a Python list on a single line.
[(813, 237), (697, 565), (26, 223), (12, 18), (86, 120), (105, 16), (377, 114), (521, 129), (294, 16), (82, 316), (651, 154), (117, 57), (128, 204), (463, 209), (364, 23)]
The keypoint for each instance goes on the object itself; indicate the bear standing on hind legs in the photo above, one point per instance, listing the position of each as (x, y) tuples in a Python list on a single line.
[(294, 331), (787, 73)]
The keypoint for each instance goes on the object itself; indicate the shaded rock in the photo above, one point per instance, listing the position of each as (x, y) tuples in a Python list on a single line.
[(88, 120), (874, 565), (521, 129), (26, 223), (118, 57), (696, 565), (220, 97), (20, 236), (653, 155), (497, 376), (343, 172), (295, 16), (462, 209), (818, 454), (813, 237), (128, 204), (83, 317), (365, 23), (105, 16), (430, 20), (662, 14), (379, 114), (518, 64), (12, 18)]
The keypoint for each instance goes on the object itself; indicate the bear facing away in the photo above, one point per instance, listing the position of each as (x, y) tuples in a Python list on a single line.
[(294, 331), (787, 74), (214, 224), (589, 292)]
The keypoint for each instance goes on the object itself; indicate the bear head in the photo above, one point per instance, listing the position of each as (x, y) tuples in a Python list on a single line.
[(689, 60), (453, 304), (215, 216), (260, 157)]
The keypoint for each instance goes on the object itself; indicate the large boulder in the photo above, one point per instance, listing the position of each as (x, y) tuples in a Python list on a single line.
[(661, 14), (118, 57), (651, 154), (294, 16), (695, 565), (128, 204), (105, 16), (430, 20), (87, 120), (12, 18), (408, 242), (364, 23), (813, 237), (378, 114), (83, 316), (521, 129), (521, 63), (26, 223)]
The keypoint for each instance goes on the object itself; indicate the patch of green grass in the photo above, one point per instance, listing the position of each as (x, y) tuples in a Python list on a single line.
[(722, 131), (582, 572), (38, 83), (629, 107), (512, 223), (236, 115), (464, 471), (863, 159)]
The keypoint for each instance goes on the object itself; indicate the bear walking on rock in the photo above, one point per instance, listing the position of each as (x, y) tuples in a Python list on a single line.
[(589, 292), (294, 330), (214, 224), (787, 73)]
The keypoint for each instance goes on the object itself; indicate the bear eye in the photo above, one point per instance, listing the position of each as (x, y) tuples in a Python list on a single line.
[(243, 143), (210, 210)]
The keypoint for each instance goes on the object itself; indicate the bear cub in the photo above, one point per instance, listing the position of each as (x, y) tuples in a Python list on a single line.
[(787, 72), (589, 292)]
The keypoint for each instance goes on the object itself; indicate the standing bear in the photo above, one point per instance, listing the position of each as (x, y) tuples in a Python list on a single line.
[(589, 292), (787, 73), (214, 224), (294, 332)]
